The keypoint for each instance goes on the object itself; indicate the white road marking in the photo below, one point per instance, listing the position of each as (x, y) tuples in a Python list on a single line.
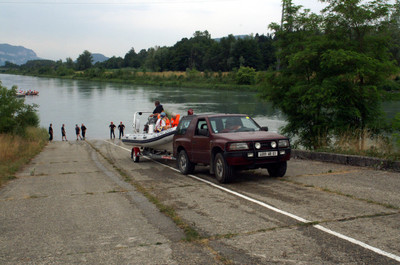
[(265, 205)]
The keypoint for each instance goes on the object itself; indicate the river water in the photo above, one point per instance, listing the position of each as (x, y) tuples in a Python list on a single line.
[(96, 104)]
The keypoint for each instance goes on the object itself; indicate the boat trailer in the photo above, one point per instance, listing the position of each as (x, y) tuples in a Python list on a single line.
[(137, 152)]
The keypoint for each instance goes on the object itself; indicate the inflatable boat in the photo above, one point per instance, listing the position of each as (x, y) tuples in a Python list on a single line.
[(160, 140), (148, 138)]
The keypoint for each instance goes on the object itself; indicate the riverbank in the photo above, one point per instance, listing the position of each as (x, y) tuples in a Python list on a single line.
[(16, 151), (189, 79)]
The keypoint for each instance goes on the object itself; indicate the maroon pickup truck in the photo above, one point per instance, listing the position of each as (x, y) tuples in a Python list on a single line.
[(228, 142)]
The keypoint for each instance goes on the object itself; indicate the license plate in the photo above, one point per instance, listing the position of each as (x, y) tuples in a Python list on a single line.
[(269, 153)]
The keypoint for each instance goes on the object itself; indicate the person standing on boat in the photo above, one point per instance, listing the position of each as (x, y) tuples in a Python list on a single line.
[(112, 128), (63, 133), (78, 132), (51, 132), (121, 128), (158, 109), (83, 128)]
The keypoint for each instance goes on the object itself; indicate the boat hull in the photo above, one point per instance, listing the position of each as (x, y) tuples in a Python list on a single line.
[(158, 141)]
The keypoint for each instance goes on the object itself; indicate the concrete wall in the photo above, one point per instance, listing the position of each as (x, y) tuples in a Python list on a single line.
[(352, 160)]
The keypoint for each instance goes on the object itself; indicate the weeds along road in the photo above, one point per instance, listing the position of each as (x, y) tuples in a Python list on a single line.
[(81, 202)]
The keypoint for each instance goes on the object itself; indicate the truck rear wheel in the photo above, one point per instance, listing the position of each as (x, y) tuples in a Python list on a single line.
[(183, 163), (277, 170), (223, 171)]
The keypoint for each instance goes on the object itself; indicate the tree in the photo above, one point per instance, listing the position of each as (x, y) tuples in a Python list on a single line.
[(69, 63), (395, 32), (247, 53), (331, 68), (15, 116), (84, 61), (131, 59), (114, 63)]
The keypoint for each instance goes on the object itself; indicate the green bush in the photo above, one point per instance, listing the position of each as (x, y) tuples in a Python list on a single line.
[(246, 76), (15, 116)]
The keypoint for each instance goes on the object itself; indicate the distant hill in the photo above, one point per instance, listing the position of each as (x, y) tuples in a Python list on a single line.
[(98, 57), (16, 54)]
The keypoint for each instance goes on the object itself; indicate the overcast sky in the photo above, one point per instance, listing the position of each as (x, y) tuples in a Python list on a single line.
[(57, 29)]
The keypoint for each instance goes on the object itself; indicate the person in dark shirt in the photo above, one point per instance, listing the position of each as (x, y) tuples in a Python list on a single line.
[(51, 132), (78, 132), (112, 128), (63, 133), (83, 128), (121, 128), (158, 109)]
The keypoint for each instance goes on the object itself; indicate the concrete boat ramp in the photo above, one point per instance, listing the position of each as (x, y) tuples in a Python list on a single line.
[(86, 202)]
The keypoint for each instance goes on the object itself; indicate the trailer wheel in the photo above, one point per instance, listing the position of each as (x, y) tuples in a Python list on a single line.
[(135, 155), (183, 163)]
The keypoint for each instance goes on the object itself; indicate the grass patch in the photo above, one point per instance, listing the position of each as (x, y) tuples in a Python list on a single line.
[(16, 151)]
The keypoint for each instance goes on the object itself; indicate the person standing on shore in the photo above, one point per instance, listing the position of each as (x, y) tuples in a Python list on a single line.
[(51, 132), (112, 128), (78, 132), (121, 128), (83, 128), (63, 133)]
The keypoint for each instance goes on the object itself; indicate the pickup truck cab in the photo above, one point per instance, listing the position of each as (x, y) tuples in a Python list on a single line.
[(227, 142)]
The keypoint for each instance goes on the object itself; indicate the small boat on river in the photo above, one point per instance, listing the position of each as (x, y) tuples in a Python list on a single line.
[(22, 93), (32, 93)]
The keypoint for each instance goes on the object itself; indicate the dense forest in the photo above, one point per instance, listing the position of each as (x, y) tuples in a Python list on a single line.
[(199, 52)]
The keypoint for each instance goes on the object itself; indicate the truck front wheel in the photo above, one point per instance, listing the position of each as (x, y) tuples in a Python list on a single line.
[(277, 170), (183, 163), (223, 171)]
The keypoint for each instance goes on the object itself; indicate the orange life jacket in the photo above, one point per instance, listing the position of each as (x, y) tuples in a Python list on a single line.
[(175, 122), (167, 122)]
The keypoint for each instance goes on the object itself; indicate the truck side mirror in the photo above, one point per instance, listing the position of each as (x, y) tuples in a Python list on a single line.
[(264, 128)]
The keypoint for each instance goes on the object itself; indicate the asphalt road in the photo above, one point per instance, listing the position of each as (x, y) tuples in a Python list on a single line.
[(81, 203)]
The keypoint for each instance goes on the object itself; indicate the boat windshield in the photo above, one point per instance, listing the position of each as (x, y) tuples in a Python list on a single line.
[(229, 124)]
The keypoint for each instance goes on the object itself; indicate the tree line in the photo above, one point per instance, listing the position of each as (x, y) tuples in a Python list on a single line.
[(199, 52)]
